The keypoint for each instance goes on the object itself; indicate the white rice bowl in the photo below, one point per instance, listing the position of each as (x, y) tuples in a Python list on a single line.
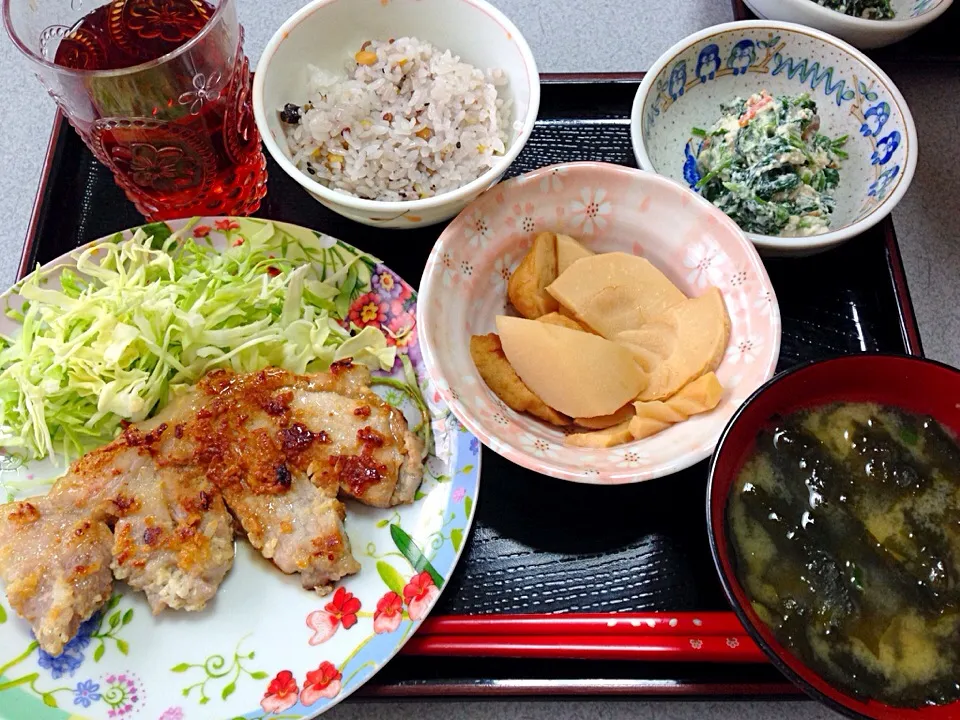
[(415, 123)]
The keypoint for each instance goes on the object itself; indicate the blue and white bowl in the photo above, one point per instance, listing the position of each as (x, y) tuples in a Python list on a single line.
[(686, 86)]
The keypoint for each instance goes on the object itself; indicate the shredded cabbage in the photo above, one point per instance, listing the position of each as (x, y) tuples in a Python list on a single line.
[(144, 318)]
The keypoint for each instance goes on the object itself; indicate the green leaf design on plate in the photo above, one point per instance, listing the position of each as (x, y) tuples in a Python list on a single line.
[(456, 537), (114, 601), (216, 669), (127, 617), (29, 681), (419, 495), (391, 577), (467, 505), (342, 303), (412, 552), (123, 647), (160, 232), (98, 653), (3, 615), (114, 619), (466, 469)]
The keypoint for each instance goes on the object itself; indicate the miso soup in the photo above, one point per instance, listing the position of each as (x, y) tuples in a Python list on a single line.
[(845, 530)]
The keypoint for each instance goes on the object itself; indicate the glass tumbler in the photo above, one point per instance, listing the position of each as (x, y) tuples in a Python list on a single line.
[(159, 90)]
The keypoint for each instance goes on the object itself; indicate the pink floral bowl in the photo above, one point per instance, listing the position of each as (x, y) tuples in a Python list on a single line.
[(608, 208)]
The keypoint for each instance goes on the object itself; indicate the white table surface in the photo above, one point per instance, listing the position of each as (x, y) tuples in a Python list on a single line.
[(587, 36)]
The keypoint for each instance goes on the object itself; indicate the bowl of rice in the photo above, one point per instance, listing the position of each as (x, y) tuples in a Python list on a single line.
[(396, 113)]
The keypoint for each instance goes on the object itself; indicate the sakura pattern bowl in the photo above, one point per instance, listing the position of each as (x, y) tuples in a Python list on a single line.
[(854, 97), (608, 208)]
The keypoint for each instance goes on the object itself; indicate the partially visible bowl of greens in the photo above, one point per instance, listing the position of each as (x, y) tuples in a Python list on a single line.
[(863, 23), (797, 136)]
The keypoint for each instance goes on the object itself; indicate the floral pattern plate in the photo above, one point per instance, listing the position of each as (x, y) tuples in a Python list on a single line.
[(265, 647), (608, 208)]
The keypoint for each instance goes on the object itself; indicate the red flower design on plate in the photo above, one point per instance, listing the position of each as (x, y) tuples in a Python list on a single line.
[(201, 231), (368, 309), (342, 609), (281, 693), (402, 330), (420, 593), (389, 612), (324, 682), (227, 224)]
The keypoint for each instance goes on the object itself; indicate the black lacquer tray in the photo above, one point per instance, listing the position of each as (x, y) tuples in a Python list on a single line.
[(541, 545)]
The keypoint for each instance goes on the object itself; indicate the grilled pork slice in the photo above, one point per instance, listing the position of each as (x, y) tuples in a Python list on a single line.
[(56, 567), (173, 537), (272, 447)]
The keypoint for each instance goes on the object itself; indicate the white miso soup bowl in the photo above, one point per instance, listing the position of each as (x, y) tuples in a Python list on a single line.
[(854, 97), (327, 33)]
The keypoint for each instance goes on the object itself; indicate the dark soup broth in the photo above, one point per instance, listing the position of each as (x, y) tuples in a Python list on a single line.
[(845, 528)]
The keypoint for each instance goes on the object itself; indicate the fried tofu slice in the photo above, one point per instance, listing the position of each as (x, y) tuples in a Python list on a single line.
[(606, 438), (526, 288), (495, 369)]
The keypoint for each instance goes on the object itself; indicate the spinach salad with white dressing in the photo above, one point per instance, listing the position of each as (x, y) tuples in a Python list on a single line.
[(767, 166), (869, 9)]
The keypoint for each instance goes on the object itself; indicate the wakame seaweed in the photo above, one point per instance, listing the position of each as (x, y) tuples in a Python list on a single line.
[(845, 531)]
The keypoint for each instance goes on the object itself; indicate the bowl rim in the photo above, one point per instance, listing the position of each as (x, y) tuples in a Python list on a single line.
[(869, 24), (400, 207), (773, 242), (712, 530), (522, 457)]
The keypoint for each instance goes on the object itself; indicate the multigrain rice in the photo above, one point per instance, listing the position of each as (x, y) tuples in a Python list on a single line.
[(414, 123)]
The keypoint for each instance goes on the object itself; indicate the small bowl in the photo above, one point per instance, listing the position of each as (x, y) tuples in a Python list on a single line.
[(608, 208), (911, 383), (326, 33), (911, 15), (854, 97)]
